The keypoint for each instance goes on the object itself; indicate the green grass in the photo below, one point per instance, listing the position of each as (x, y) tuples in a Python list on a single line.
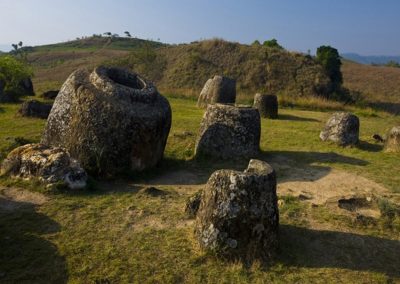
[(117, 234)]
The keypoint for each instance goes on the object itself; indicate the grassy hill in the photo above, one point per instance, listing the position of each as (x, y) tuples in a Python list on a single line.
[(378, 85), (183, 69)]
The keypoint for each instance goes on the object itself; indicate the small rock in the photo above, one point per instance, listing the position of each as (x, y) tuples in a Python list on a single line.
[(153, 191), (392, 143)]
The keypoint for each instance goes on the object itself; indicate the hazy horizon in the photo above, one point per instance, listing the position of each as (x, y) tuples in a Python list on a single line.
[(350, 26)]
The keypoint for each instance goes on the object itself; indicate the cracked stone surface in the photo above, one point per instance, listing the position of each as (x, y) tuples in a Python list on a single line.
[(238, 213), (111, 120)]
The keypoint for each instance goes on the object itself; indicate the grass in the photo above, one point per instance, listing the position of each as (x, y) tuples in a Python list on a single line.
[(118, 234)]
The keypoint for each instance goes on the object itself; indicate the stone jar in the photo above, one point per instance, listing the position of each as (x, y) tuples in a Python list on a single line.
[(219, 89), (111, 120), (238, 214), (229, 132)]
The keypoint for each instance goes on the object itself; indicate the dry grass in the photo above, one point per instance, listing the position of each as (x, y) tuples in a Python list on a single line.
[(376, 83)]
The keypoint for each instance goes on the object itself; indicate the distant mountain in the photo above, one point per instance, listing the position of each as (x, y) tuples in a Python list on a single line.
[(373, 59)]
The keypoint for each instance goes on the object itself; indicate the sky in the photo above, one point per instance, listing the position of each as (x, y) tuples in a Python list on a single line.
[(367, 27)]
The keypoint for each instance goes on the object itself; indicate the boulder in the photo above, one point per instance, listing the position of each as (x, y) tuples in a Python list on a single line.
[(111, 120), (267, 105), (342, 128), (238, 213), (192, 204), (392, 143), (219, 89), (49, 165), (50, 95), (35, 108), (228, 132), (26, 86)]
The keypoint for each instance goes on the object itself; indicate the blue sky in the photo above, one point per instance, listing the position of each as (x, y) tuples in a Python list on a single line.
[(368, 27)]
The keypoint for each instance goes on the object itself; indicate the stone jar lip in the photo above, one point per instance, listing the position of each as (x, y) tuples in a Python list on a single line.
[(121, 81)]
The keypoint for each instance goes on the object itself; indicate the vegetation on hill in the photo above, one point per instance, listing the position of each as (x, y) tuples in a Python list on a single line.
[(257, 68), (12, 72), (183, 69)]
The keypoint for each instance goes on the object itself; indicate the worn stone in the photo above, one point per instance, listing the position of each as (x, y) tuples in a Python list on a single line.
[(111, 120), (35, 108), (192, 204), (392, 143), (219, 89), (238, 213), (49, 165), (267, 105), (26, 86), (228, 132), (342, 128), (50, 95)]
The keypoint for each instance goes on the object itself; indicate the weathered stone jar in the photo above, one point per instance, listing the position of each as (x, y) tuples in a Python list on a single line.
[(267, 105), (111, 120), (49, 165), (392, 143), (34, 108), (238, 213), (219, 89), (342, 128), (228, 132)]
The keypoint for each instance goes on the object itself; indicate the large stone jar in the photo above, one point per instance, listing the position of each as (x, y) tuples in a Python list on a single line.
[(229, 132), (238, 213), (111, 120), (267, 105)]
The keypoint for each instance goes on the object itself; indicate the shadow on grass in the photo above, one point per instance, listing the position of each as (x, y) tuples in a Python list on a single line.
[(329, 249), (369, 147), (300, 165), (392, 108), (25, 256), (296, 118)]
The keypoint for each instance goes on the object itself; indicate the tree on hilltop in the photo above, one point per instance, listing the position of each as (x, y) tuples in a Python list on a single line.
[(329, 58)]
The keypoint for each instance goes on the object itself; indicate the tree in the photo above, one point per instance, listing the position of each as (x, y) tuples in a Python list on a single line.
[(107, 34), (256, 42), (273, 43), (12, 72), (127, 34), (329, 58)]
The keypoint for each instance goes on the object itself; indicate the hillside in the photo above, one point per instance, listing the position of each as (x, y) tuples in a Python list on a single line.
[(378, 84), (185, 68)]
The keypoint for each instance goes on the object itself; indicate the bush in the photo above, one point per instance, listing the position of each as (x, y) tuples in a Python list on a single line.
[(12, 72)]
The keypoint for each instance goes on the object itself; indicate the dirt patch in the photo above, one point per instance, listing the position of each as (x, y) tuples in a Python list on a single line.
[(15, 198), (332, 185)]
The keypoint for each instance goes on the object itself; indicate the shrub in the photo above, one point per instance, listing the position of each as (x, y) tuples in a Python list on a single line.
[(12, 72)]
